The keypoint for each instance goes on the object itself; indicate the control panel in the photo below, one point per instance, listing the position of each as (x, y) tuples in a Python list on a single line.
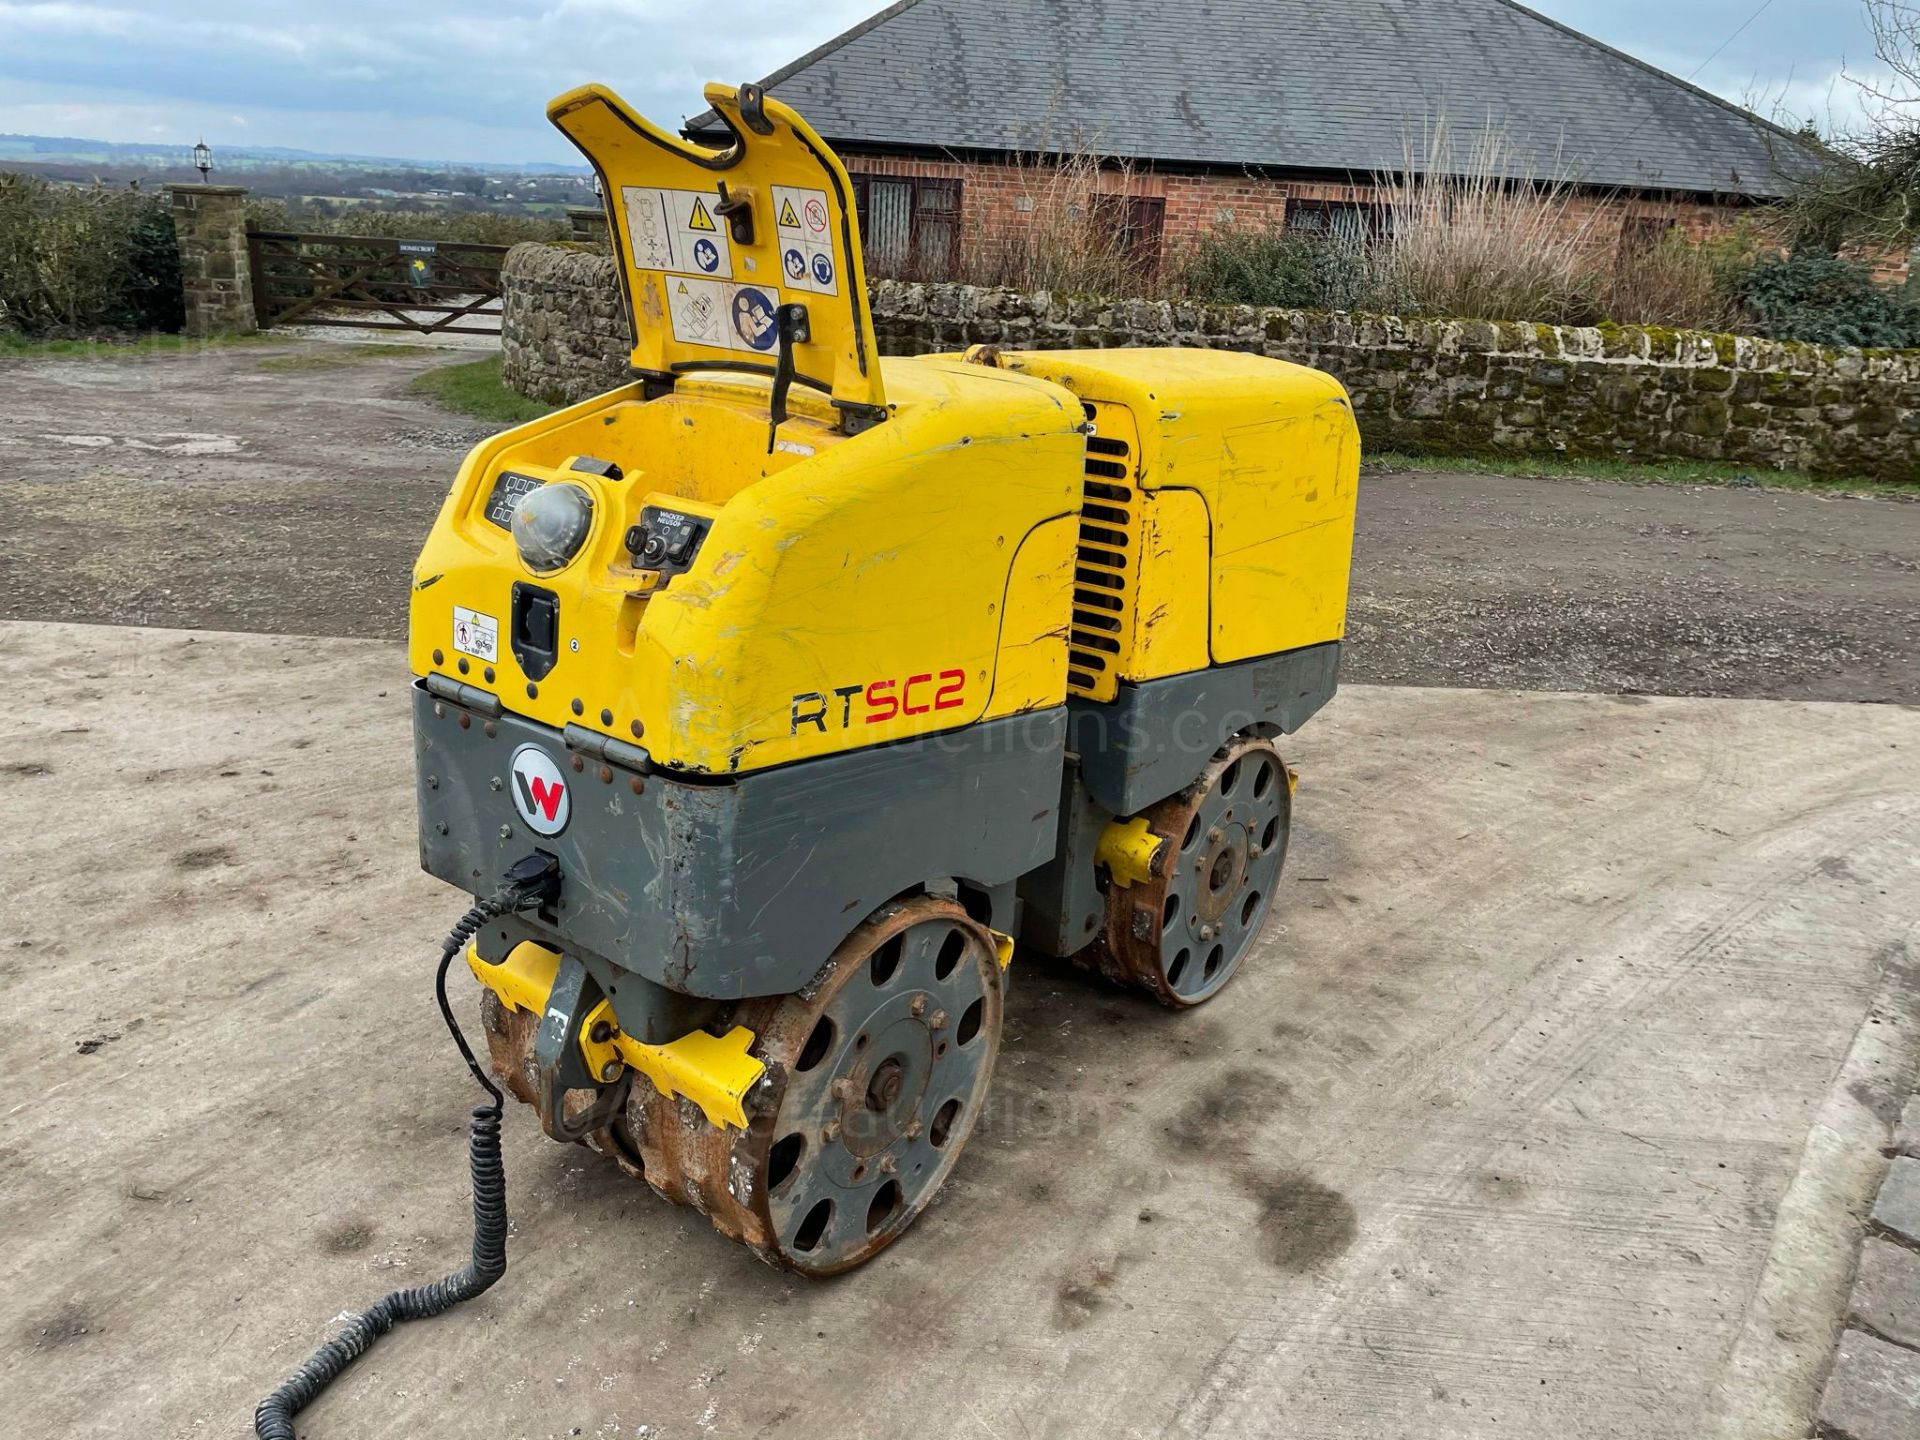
[(666, 540), (509, 489)]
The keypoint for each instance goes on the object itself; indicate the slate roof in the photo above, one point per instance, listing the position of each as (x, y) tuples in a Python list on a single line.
[(1279, 85)]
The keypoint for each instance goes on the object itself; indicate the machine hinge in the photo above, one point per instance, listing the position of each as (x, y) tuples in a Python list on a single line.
[(604, 748), (483, 703)]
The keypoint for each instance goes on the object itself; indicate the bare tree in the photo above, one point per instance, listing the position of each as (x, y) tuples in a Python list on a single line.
[(1896, 41), (1870, 189)]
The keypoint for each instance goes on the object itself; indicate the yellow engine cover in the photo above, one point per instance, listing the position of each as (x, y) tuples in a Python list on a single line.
[(709, 241), (1220, 499)]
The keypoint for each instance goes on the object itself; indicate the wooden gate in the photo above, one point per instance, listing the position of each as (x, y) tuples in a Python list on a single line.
[(437, 287)]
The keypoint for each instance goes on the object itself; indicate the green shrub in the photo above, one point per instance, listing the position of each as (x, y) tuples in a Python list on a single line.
[(155, 300), (453, 227), (77, 259), (1825, 300), (1271, 267)]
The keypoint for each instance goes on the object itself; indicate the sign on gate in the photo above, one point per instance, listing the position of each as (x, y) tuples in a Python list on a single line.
[(419, 257)]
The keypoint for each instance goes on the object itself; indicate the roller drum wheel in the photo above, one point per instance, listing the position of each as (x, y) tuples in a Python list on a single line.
[(876, 1074), (1181, 934)]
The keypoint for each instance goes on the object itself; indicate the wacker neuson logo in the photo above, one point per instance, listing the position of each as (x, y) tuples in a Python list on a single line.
[(540, 791)]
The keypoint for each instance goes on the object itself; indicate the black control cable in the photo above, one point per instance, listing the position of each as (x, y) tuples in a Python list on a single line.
[(529, 885)]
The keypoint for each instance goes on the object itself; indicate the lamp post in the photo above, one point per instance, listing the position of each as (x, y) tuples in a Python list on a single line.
[(202, 160)]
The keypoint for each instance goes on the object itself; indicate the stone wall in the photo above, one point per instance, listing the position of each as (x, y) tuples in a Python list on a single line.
[(563, 331), (1447, 387)]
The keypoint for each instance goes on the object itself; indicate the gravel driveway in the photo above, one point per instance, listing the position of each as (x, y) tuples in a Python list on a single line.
[(285, 486)]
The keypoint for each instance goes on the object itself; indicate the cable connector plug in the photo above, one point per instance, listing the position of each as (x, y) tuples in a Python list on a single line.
[(532, 882)]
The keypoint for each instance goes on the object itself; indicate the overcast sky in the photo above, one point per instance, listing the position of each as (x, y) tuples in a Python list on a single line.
[(454, 80)]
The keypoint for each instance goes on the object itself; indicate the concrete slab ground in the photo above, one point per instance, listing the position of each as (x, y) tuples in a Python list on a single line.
[(1551, 1103), (1897, 1208)]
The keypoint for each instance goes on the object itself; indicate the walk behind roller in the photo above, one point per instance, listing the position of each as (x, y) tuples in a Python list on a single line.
[(777, 697)]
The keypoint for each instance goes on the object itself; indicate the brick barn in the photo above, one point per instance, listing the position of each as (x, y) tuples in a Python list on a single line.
[(1251, 113)]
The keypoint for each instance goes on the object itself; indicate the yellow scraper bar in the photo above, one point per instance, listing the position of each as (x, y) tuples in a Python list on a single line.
[(715, 1072), (1131, 852)]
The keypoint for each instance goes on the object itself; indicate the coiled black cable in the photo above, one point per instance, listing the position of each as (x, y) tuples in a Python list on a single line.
[(530, 883)]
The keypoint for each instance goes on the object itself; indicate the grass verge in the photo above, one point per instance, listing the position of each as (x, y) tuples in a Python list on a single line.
[(1679, 472), (476, 389), (27, 347), (343, 355)]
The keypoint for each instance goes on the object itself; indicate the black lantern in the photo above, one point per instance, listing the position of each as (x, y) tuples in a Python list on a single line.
[(202, 159)]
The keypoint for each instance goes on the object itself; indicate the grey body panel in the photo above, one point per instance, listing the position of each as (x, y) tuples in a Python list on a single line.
[(1062, 903), (743, 887), (1155, 736)]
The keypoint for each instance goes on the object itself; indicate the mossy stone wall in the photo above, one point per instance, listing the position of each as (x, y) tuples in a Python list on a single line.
[(1445, 387)]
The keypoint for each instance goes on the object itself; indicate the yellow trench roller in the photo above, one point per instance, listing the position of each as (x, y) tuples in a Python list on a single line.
[(823, 676)]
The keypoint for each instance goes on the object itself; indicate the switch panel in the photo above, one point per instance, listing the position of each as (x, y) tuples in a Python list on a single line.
[(666, 540)]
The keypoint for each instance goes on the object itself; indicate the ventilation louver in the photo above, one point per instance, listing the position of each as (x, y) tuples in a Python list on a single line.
[(1103, 578)]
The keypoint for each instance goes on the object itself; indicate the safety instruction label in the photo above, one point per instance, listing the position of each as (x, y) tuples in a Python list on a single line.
[(803, 224), (476, 634), (724, 316), (677, 230)]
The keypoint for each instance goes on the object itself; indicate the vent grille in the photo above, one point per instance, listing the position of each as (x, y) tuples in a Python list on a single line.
[(1103, 579)]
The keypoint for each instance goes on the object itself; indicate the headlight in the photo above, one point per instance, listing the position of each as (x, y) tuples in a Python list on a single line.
[(551, 524)]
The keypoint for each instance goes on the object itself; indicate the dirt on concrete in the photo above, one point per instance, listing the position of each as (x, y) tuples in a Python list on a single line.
[(220, 489), (285, 486)]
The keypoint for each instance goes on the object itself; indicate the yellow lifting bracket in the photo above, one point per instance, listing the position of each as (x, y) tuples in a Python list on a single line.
[(1133, 854), (715, 1072)]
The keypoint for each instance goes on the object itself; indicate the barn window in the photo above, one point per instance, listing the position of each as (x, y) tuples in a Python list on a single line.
[(909, 225), (1136, 222), (1349, 221)]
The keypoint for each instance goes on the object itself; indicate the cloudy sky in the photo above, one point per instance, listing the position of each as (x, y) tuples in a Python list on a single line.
[(452, 80)]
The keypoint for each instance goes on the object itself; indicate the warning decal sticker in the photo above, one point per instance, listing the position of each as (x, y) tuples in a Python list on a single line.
[(753, 324), (647, 224), (726, 317), (476, 634), (698, 310), (806, 243), (675, 230)]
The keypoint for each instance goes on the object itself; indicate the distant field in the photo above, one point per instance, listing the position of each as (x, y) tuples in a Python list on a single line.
[(300, 178)]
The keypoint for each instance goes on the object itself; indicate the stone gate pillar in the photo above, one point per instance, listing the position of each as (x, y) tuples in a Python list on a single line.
[(210, 222)]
